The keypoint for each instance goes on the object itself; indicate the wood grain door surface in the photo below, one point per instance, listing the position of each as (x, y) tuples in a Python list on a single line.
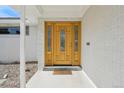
[(62, 43)]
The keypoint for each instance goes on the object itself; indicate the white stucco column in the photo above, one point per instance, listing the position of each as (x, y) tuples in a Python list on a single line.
[(22, 48), (41, 43)]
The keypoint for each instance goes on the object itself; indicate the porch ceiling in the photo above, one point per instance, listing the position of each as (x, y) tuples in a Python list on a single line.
[(51, 11), (75, 11)]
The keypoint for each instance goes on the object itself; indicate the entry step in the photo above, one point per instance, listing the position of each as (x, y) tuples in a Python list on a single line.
[(73, 68)]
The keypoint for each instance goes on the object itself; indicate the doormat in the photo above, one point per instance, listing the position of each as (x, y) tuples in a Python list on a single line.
[(62, 72)]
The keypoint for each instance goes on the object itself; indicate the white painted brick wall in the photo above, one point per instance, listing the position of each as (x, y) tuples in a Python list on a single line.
[(31, 44), (103, 60), (9, 48), (40, 45)]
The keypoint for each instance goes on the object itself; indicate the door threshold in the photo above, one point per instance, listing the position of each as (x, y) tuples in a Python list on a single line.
[(51, 68)]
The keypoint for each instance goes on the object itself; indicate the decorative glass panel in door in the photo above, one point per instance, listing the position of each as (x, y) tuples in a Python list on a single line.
[(75, 38), (62, 39), (48, 43), (49, 37)]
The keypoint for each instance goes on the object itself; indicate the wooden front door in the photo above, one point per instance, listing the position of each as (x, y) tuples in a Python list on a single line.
[(62, 43)]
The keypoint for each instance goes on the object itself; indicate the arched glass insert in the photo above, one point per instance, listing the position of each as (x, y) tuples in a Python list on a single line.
[(62, 39)]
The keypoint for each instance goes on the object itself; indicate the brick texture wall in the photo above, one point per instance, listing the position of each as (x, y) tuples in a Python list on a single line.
[(103, 59)]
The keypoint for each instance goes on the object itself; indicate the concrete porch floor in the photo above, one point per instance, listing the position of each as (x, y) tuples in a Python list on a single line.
[(46, 79)]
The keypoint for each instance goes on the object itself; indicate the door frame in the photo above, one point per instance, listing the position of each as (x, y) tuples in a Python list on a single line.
[(80, 40)]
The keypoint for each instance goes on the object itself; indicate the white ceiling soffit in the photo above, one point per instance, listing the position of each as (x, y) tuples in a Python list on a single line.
[(73, 11), (32, 13), (51, 11)]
